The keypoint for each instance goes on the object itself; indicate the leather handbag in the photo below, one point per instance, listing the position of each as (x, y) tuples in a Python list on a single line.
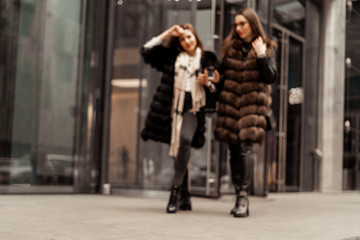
[(270, 120)]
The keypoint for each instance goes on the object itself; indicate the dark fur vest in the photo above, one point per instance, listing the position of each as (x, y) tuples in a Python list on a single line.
[(158, 120), (244, 100)]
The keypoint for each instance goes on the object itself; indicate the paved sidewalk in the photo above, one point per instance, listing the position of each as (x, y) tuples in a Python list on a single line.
[(279, 216)]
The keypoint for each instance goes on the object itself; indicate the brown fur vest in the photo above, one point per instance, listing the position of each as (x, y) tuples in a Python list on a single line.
[(244, 100)]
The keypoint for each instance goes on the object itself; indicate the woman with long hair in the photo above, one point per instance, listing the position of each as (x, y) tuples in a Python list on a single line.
[(176, 113), (248, 69)]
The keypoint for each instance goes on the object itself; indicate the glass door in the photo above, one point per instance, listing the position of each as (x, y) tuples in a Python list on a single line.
[(129, 30), (204, 163), (284, 169), (40, 43), (134, 163)]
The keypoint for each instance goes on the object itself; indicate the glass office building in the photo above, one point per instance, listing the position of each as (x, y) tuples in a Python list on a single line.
[(74, 94)]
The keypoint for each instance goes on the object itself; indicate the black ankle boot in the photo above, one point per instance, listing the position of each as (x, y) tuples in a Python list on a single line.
[(242, 202), (236, 181), (174, 200), (242, 169), (185, 203)]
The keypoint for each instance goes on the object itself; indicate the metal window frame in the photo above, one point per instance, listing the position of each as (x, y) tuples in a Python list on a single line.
[(282, 130)]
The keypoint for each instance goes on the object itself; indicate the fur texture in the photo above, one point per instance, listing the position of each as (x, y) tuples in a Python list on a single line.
[(244, 100), (158, 120)]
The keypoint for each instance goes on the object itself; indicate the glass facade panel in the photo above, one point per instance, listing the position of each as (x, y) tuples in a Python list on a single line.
[(290, 14), (39, 70), (294, 115), (283, 165)]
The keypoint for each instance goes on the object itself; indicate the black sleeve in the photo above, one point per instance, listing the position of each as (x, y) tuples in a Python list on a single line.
[(157, 56), (267, 68), (210, 59), (219, 86)]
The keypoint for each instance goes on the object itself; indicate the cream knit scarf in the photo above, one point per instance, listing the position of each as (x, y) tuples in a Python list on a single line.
[(182, 72)]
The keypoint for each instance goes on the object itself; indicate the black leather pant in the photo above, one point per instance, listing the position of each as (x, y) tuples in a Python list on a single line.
[(242, 165)]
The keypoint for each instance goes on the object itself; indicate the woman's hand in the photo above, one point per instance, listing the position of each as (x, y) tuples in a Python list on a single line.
[(259, 47), (202, 77), (216, 76), (204, 80), (174, 31)]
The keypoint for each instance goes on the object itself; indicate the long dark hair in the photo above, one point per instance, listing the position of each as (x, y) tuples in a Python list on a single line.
[(256, 28), (175, 43)]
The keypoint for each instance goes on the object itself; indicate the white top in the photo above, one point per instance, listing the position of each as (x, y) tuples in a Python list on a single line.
[(152, 42), (188, 75)]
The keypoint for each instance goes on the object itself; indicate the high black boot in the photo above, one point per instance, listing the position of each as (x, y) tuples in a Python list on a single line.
[(241, 208), (243, 205), (242, 167), (185, 203), (236, 180), (174, 200)]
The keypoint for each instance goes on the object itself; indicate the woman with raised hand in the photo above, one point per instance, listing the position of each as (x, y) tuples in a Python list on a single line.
[(176, 113)]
